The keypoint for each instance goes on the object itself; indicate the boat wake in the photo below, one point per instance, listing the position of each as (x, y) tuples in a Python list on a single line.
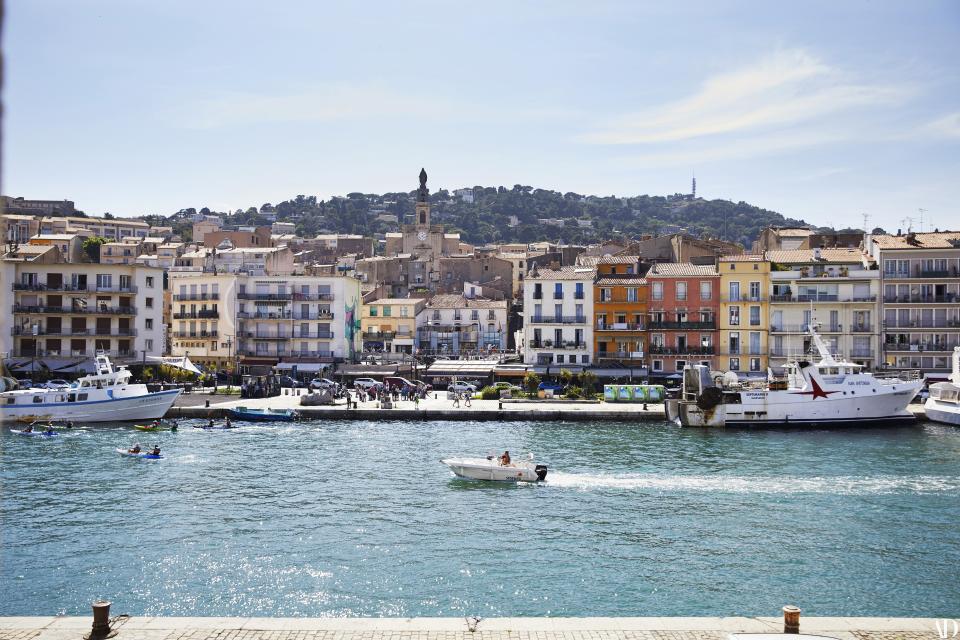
[(840, 485)]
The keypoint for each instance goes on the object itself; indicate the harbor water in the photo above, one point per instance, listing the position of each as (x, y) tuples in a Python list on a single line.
[(361, 519)]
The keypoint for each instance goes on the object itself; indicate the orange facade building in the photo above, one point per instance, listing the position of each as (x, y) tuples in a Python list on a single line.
[(620, 297)]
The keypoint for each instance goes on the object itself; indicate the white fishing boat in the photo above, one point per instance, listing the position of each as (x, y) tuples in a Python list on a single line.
[(830, 392), (493, 468), (943, 405), (105, 396)]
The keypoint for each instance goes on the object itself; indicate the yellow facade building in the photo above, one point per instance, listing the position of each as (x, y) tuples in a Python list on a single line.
[(744, 313)]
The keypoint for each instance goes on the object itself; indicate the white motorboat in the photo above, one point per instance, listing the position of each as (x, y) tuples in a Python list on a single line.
[(491, 468), (105, 396), (830, 392), (943, 405)]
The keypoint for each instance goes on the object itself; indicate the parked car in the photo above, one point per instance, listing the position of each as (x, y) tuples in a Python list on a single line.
[(57, 383), (556, 387), (397, 381), (287, 382), (366, 383), (462, 387), (506, 386), (322, 383)]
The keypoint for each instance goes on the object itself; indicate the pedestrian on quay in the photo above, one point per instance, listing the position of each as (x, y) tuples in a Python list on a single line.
[(467, 398), (456, 399)]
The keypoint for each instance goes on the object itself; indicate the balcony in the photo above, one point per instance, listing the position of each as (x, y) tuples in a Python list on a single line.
[(193, 315), (619, 326), (323, 355), (91, 309), (37, 286), (264, 335), (620, 355), (682, 326), (820, 298), (656, 349), (380, 335), (194, 334), (862, 328), (562, 345), (262, 315), (253, 353), (948, 324), (196, 296), (319, 315), (313, 296), (72, 353), (313, 335), (804, 328), (922, 273), (741, 351), (862, 353), (70, 332), (265, 297), (920, 346), (950, 298), (558, 320), (743, 299)]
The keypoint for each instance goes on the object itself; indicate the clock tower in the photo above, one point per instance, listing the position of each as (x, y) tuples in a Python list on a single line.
[(422, 222)]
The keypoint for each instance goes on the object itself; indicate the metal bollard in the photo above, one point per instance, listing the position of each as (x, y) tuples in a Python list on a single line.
[(208, 404), (500, 405), (791, 619), (101, 621)]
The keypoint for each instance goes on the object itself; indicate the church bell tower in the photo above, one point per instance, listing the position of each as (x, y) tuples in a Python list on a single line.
[(422, 221)]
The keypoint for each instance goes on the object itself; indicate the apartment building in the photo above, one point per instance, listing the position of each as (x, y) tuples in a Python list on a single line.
[(389, 325), (18, 228), (559, 316), (454, 324), (112, 229), (264, 320), (683, 310), (744, 313), (920, 284), (620, 296), (63, 313), (834, 289)]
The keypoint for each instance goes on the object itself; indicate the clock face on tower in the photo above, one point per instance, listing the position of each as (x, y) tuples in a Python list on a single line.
[(422, 236)]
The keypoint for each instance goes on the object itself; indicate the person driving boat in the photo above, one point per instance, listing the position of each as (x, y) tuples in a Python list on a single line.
[(505, 459)]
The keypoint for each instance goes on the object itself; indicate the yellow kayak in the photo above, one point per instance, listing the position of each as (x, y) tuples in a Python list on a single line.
[(146, 427)]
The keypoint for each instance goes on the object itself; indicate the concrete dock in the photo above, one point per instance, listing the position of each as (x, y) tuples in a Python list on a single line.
[(150, 628), (435, 407)]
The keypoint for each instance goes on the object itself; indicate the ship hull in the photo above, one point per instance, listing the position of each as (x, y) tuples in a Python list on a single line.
[(942, 412), (141, 407)]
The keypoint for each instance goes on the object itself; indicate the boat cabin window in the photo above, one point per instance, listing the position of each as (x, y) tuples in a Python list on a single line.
[(37, 399), (82, 397), (86, 383), (11, 400), (71, 397)]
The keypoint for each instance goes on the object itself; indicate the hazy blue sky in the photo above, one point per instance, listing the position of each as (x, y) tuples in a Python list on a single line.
[(817, 110)]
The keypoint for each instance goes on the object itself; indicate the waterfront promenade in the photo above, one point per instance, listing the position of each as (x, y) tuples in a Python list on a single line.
[(151, 628)]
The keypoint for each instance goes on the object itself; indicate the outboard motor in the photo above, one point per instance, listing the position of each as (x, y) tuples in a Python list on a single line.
[(541, 471)]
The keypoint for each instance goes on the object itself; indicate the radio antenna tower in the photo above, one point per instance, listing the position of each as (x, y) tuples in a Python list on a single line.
[(866, 219), (693, 189), (922, 211)]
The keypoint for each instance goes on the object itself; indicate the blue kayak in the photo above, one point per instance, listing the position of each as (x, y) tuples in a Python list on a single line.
[(218, 427), (146, 455), (38, 434)]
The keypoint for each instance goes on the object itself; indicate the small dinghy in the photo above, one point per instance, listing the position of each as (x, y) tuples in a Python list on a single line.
[(492, 468), (262, 415), (145, 455)]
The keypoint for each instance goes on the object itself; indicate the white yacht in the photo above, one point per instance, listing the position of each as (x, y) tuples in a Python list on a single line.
[(943, 405), (829, 392), (105, 396)]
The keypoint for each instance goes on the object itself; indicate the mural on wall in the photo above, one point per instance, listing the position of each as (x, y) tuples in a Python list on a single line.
[(351, 324)]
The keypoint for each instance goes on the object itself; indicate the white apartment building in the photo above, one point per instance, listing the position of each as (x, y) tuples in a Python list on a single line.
[(390, 325), (920, 281), (835, 288), (233, 320), (453, 324), (63, 314), (558, 316)]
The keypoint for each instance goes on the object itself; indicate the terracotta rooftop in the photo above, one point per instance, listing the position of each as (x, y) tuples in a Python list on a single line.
[(619, 260), (938, 240), (412, 301), (612, 281), (564, 273), (455, 301), (668, 269), (826, 255), (744, 257), (802, 233)]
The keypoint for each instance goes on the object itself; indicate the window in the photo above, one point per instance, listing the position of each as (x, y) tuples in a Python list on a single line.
[(578, 293), (631, 294), (657, 365), (754, 364), (386, 311), (680, 365), (104, 281), (681, 291), (706, 290), (148, 344), (474, 314), (656, 291), (404, 311), (605, 295), (754, 290), (734, 292), (754, 316), (560, 358), (585, 359), (558, 291), (734, 316), (148, 303), (149, 323), (373, 312), (734, 364)]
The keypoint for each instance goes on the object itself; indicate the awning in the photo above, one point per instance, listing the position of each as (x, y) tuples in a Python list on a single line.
[(465, 368), (626, 372), (301, 366), (178, 362), (56, 365), (371, 370)]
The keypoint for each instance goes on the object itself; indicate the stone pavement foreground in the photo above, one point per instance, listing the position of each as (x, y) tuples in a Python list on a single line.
[(149, 628)]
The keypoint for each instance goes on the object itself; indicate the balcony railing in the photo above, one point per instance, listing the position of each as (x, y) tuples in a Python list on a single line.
[(313, 335), (743, 298), (862, 328), (803, 328), (379, 335), (558, 320), (861, 353), (194, 334), (264, 335), (820, 298), (92, 308), (552, 344), (68, 332), (37, 286), (72, 353), (921, 273), (320, 315), (196, 296), (619, 326), (656, 349), (268, 297), (920, 346), (920, 299), (313, 296), (204, 313), (742, 351), (620, 355), (943, 324), (682, 326), (254, 315)]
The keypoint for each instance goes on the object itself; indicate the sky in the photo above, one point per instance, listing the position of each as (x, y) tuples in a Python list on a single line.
[(819, 110)]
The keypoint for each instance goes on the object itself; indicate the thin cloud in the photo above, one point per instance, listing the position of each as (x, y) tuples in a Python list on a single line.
[(782, 90), (948, 125)]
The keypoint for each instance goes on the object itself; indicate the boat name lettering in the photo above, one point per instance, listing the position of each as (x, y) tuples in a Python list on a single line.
[(756, 394), (859, 383)]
